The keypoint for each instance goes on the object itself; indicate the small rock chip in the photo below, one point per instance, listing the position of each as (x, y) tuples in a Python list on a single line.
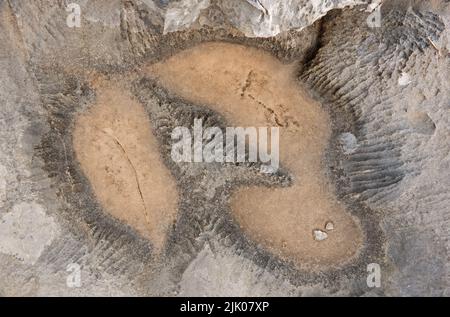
[(320, 235), (329, 226), (404, 79)]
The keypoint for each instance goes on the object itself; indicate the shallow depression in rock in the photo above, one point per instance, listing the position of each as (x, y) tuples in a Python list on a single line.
[(119, 155), (249, 87)]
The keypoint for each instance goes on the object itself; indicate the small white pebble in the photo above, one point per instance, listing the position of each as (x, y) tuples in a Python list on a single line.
[(329, 226), (320, 235), (404, 79)]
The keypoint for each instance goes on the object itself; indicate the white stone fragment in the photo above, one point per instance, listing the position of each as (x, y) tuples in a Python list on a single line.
[(320, 235), (329, 226), (404, 79), (183, 14)]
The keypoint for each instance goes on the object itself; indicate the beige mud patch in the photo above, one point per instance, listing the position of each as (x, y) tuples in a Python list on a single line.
[(251, 88), (119, 155)]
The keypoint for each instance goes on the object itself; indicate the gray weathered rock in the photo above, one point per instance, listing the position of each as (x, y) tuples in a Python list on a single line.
[(394, 175)]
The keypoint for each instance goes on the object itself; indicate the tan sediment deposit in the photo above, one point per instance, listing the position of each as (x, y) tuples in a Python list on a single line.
[(249, 87), (119, 155)]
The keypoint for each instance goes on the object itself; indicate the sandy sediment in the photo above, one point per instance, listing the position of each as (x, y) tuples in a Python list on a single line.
[(119, 155), (251, 88)]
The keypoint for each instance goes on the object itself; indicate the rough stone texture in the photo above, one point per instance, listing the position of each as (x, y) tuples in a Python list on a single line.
[(255, 18), (396, 179), (26, 231), (397, 167)]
